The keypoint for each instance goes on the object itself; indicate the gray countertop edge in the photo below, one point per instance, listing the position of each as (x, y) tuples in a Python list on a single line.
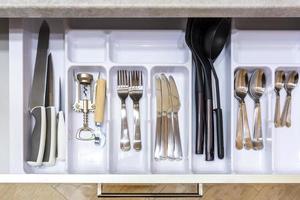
[(89, 11)]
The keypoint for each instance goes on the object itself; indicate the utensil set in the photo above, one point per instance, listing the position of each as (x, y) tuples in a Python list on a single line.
[(206, 38), (255, 88), (167, 137), (47, 138), (130, 83), (288, 84)]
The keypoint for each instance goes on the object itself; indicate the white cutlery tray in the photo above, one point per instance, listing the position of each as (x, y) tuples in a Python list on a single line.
[(95, 46)]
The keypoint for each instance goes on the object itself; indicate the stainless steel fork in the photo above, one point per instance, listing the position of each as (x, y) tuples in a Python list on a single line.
[(122, 90), (136, 93)]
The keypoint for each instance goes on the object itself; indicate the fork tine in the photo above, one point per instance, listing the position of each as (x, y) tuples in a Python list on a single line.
[(118, 77), (130, 78), (126, 78), (123, 77), (141, 78)]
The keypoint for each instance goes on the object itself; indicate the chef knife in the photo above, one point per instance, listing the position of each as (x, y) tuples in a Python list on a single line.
[(165, 107), (37, 98), (175, 110), (50, 145), (157, 146)]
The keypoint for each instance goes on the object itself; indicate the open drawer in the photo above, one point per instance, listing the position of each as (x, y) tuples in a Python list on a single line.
[(153, 46)]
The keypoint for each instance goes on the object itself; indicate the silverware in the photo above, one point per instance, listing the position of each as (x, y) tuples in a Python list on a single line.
[(257, 88), (157, 147), (279, 84), (175, 108), (122, 90), (240, 92), (136, 93), (83, 103), (38, 98), (166, 118), (289, 86)]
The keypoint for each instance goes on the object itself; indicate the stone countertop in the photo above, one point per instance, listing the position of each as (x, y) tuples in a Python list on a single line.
[(149, 8)]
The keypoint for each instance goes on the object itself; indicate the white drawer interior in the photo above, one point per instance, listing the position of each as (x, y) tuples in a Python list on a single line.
[(154, 46)]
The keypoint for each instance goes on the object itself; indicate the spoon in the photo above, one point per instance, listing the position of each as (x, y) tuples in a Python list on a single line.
[(279, 84), (289, 86), (240, 92), (214, 41), (257, 88)]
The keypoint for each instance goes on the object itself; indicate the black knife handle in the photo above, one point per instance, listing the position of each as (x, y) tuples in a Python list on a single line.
[(38, 137), (209, 149), (219, 126)]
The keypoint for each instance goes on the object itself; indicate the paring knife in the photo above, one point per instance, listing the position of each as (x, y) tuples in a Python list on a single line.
[(50, 146), (38, 98), (61, 130), (165, 107), (175, 109), (157, 146)]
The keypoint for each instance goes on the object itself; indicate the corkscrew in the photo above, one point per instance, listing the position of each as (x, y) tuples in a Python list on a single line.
[(84, 102)]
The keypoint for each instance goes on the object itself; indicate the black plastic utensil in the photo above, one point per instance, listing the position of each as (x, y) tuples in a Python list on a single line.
[(199, 93), (197, 35), (214, 41)]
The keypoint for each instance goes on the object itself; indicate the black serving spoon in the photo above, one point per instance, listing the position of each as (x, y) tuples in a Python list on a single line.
[(199, 93), (215, 39), (197, 42)]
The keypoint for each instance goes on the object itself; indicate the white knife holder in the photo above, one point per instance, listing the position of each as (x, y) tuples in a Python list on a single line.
[(95, 46)]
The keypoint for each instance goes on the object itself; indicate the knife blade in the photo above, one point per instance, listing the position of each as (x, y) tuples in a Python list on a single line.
[(175, 108), (157, 146), (165, 107), (50, 145), (37, 98)]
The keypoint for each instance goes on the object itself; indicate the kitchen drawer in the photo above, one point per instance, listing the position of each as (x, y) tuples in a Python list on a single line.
[(153, 46)]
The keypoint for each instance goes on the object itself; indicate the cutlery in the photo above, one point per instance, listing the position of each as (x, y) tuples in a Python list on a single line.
[(166, 119), (257, 88), (100, 94), (136, 93), (158, 90), (279, 84), (199, 92), (122, 90), (61, 130), (290, 84), (50, 145), (83, 103), (214, 41), (240, 92), (175, 108), (38, 98), (197, 47)]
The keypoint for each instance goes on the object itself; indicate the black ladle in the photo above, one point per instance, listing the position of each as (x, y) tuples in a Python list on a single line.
[(215, 39)]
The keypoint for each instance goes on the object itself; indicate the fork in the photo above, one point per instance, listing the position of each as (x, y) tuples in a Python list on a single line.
[(136, 93), (122, 90)]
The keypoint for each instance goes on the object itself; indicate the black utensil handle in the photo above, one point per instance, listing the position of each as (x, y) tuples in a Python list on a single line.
[(200, 124), (219, 126), (209, 153)]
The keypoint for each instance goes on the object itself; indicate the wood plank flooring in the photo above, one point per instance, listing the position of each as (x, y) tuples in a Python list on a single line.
[(211, 191)]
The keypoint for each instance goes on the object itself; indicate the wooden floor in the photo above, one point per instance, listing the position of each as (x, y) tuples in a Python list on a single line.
[(211, 191)]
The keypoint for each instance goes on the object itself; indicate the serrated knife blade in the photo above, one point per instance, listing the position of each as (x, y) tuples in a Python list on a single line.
[(174, 95)]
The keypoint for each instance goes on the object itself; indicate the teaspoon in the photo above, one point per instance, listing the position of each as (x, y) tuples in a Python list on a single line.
[(279, 84), (257, 88), (289, 86), (240, 92)]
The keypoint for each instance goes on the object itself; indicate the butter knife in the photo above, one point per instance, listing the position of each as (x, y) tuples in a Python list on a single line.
[(175, 108), (157, 146), (165, 107)]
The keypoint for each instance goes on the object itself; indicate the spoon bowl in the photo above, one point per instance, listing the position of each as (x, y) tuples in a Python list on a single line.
[(279, 84)]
